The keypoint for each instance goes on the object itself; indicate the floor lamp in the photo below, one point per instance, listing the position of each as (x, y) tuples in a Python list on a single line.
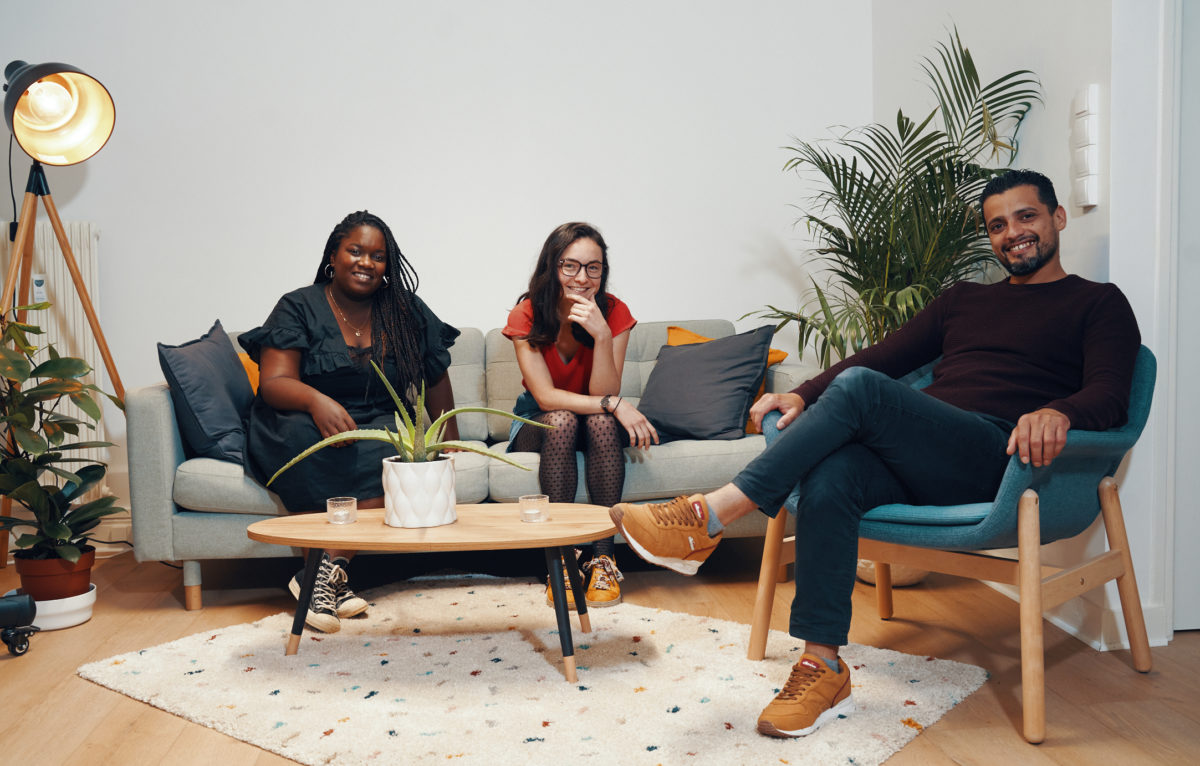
[(59, 116)]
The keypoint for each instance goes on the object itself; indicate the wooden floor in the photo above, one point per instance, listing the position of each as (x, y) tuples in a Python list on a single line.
[(1099, 710)]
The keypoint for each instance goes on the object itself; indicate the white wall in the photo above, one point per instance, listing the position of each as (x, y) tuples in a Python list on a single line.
[(245, 131), (1069, 44)]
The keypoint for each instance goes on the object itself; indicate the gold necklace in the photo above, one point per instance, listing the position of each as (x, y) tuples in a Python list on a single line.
[(357, 330)]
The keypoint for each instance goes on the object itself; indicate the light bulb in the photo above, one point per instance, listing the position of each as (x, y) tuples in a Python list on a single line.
[(49, 102)]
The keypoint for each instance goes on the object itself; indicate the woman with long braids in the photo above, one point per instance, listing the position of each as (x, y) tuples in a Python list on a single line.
[(570, 337), (315, 380)]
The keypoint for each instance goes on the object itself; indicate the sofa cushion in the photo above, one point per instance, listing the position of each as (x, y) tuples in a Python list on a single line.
[(211, 394), (681, 336), (681, 467), (704, 390), (219, 486)]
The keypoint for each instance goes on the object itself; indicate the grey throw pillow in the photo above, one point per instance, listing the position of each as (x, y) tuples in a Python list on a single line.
[(211, 395), (704, 390)]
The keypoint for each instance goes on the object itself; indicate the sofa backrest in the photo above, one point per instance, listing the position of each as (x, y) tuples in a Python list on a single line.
[(466, 377), (645, 341)]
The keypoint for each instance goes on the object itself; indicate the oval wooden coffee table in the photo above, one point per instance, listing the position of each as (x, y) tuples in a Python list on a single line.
[(481, 527)]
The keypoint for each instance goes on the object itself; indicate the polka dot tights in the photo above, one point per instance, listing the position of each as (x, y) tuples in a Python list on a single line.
[(599, 437)]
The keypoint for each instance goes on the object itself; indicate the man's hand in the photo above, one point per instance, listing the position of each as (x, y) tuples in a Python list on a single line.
[(791, 405), (1039, 436)]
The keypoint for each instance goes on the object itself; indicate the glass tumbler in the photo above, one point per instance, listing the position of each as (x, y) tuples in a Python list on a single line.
[(341, 510)]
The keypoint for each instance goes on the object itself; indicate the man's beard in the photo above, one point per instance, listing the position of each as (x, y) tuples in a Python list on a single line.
[(1022, 268)]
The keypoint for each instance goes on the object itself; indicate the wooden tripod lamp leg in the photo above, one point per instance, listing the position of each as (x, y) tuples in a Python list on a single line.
[(21, 254), (84, 298)]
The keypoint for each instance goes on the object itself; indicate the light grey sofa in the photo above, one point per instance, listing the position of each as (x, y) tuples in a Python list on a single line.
[(191, 510)]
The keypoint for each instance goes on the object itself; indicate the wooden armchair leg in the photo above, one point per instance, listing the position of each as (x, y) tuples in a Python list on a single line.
[(1131, 602), (764, 597), (1033, 667), (883, 590)]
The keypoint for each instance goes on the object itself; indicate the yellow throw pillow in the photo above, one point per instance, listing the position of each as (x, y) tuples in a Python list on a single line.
[(252, 370), (679, 336)]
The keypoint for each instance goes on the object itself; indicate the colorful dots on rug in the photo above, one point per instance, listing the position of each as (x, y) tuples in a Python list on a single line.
[(673, 709), (910, 723)]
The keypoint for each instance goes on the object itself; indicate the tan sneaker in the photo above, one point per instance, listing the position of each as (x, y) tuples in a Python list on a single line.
[(604, 587), (813, 696), (672, 534)]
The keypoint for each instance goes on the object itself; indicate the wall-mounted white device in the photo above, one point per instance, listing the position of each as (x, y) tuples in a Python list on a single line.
[(1085, 146)]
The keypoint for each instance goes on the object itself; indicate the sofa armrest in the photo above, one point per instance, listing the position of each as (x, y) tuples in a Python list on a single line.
[(155, 451), (786, 376)]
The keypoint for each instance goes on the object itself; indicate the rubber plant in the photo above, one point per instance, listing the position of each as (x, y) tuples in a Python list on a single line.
[(894, 215), (413, 443), (39, 464)]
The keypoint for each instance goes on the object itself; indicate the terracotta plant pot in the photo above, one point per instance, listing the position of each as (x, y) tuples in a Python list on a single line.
[(418, 494), (49, 579)]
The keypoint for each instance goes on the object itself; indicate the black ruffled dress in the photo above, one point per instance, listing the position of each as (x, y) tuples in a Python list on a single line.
[(303, 320)]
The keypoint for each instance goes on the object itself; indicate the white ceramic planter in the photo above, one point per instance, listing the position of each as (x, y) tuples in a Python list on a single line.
[(418, 494), (59, 613)]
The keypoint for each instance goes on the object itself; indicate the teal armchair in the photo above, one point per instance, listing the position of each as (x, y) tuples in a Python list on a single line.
[(1076, 488)]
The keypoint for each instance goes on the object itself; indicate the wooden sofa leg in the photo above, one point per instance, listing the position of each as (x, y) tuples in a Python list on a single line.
[(1033, 667), (191, 585), (883, 590), (1131, 602), (764, 597)]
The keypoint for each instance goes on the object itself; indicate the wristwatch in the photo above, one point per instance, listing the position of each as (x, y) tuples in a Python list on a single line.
[(604, 403)]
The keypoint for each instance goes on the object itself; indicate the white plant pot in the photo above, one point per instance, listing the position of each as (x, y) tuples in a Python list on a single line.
[(418, 494), (68, 612)]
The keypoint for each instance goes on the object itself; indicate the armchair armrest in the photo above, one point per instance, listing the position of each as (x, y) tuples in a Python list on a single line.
[(155, 451)]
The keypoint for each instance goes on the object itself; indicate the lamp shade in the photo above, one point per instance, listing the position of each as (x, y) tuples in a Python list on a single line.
[(58, 114)]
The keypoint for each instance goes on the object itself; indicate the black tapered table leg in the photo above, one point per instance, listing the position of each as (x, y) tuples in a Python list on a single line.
[(554, 565), (309, 582)]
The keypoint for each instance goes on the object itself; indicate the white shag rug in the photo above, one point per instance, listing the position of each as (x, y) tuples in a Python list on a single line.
[(468, 670)]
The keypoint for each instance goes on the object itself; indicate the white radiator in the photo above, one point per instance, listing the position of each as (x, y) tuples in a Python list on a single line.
[(64, 323)]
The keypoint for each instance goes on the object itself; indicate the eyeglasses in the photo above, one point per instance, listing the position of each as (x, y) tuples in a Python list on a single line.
[(570, 268)]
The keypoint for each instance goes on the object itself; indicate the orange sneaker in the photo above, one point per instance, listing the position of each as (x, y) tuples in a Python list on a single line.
[(604, 585), (672, 534), (813, 696), (567, 585)]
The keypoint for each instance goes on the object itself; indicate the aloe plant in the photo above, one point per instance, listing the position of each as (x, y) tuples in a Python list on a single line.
[(895, 215), (37, 442), (414, 444)]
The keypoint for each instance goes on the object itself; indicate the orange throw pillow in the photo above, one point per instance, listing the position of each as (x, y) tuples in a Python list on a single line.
[(252, 370), (678, 336)]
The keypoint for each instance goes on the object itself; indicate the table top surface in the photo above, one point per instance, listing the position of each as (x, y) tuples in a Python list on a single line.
[(483, 526)]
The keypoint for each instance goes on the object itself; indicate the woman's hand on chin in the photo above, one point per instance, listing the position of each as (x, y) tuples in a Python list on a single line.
[(586, 313)]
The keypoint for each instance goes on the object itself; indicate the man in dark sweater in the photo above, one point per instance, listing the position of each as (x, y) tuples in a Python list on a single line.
[(1021, 362)]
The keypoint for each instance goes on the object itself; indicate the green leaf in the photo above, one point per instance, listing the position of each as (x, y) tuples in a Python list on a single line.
[(86, 403), (62, 367), (29, 440), (68, 552), (14, 365)]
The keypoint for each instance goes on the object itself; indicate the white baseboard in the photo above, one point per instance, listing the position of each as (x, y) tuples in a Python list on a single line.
[(1100, 627)]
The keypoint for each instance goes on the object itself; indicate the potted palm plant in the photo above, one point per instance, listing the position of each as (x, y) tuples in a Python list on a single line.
[(418, 482), (894, 212), (39, 467)]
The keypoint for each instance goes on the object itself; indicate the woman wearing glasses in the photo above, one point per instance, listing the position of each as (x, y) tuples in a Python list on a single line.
[(570, 337)]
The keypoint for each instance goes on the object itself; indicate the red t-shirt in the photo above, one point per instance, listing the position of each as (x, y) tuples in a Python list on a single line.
[(572, 375)]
